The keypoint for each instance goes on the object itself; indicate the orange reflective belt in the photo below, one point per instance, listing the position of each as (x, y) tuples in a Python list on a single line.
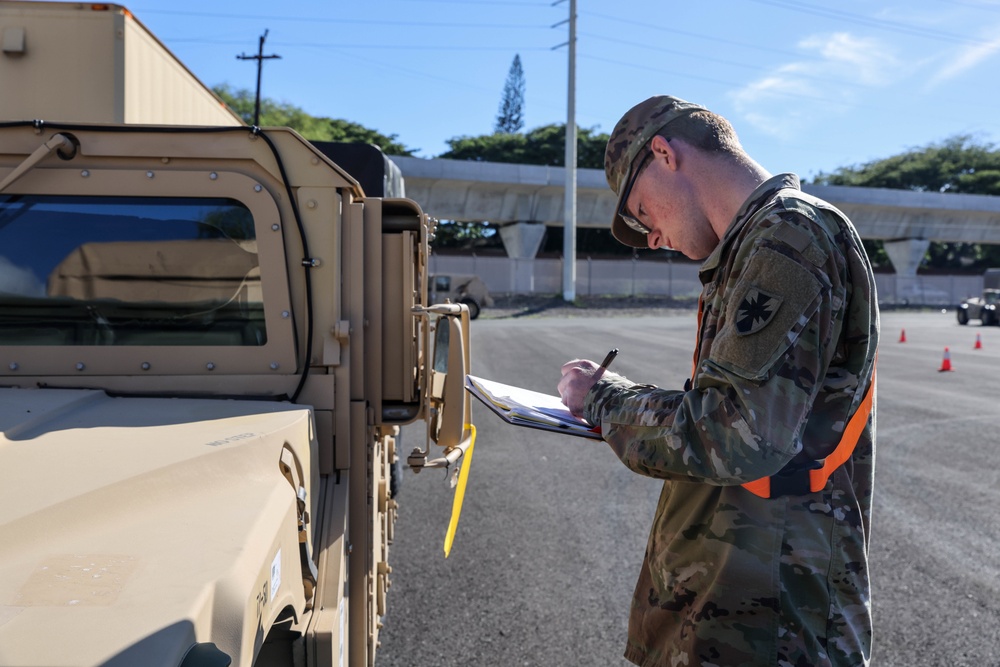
[(819, 474)]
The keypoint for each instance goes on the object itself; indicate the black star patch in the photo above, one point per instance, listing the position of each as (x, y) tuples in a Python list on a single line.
[(756, 310)]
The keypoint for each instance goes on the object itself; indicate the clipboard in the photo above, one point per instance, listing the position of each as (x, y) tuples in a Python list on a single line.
[(531, 409)]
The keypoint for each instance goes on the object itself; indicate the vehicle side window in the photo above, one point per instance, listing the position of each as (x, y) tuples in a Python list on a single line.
[(78, 270), (442, 283)]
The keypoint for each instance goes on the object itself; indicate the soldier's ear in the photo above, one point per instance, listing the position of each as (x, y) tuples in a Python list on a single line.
[(664, 148)]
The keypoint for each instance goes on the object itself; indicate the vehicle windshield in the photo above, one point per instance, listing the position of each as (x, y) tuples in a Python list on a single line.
[(128, 271)]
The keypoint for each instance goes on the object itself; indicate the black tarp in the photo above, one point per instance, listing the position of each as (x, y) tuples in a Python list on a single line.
[(378, 175)]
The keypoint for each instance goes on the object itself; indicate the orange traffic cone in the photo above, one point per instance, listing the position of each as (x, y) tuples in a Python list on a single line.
[(902, 336), (979, 343), (946, 362)]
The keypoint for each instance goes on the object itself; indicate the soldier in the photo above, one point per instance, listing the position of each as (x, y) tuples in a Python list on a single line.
[(758, 553)]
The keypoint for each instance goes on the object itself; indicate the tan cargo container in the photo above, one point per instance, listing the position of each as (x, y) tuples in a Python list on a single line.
[(95, 63)]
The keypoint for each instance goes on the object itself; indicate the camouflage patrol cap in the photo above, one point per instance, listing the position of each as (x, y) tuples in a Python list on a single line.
[(639, 124)]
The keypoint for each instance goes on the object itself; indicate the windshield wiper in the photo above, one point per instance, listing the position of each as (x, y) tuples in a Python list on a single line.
[(63, 143)]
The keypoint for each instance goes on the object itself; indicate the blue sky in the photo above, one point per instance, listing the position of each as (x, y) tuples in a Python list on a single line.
[(810, 85)]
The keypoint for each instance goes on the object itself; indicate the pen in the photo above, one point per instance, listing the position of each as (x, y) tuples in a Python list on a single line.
[(608, 359)]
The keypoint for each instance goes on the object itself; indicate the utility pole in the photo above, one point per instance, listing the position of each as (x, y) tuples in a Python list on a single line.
[(260, 58), (569, 206)]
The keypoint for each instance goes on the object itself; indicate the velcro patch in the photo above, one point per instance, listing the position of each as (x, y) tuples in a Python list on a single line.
[(767, 310), (792, 236), (801, 241), (756, 310)]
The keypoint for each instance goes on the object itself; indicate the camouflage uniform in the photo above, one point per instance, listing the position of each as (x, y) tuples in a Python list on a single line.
[(786, 348)]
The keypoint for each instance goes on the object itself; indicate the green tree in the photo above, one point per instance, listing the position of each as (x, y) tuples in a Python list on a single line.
[(959, 164), (510, 119), (314, 128), (457, 234), (544, 145)]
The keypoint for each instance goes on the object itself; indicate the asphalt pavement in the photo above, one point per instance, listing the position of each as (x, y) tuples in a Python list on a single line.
[(553, 528)]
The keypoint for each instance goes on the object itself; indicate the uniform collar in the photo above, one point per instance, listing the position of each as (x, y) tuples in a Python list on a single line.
[(761, 194)]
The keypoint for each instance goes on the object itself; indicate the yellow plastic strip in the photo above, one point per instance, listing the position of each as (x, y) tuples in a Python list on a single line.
[(463, 477)]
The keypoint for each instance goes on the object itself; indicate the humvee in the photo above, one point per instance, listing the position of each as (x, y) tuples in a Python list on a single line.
[(209, 339), (982, 308)]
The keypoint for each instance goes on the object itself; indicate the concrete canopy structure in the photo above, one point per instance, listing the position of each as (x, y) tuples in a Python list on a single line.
[(517, 194)]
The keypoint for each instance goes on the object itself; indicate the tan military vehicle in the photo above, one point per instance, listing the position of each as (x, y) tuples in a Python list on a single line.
[(209, 339)]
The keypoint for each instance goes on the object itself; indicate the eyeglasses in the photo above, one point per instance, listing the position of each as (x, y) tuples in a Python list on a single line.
[(623, 213)]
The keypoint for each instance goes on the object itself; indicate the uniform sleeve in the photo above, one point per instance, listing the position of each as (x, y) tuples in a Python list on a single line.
[(753, 390)]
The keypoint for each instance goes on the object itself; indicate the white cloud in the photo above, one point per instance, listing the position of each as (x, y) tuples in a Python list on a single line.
[(964, 60), (797, 94), (18, 280), (863, 60), (771, 105)]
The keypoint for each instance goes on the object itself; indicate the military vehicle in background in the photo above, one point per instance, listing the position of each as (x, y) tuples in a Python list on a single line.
[(986, 307), (983, 308), (210, 337), (469, 290)]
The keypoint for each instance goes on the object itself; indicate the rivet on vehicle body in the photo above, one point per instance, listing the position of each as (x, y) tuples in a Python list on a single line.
[(165, 160), (213, 176), (80, 366), (285, 314), (145, 366), (258, 187), (13, 366), (85, 173), (150, 174), (274, 365), (311, 203), (275, 227), (210, 366)]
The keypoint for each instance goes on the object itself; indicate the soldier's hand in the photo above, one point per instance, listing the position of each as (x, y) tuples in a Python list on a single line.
[(578, 376)]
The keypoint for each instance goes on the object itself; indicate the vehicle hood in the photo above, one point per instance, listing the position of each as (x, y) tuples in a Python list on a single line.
[(131, 528)]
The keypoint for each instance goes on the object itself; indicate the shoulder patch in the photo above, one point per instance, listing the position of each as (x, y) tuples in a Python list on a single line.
[(765, 312), (756, 310)]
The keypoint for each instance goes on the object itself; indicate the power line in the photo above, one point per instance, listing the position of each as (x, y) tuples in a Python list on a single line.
[(883, 24), (366, 46), (317, 19), (501, 3), (695, 77), (357, 52), (394, 67), (972, 5), (728, 63), (687, 33), (828, 102)]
